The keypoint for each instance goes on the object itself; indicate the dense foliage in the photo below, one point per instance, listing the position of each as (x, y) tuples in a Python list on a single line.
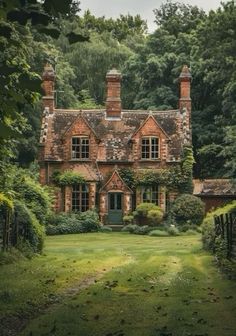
[(73, 223), (67, 178), (208, 226), (188, 208), (150, 65)]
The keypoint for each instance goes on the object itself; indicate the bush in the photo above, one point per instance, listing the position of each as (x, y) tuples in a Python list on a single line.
[(105, 229), (142, 230), (208, 225), (188, 208), (142, 216), (173, 231), (129, 219), (29, 228), (129, 228), (68, 223), (158, 233), (37, 198), (155, 216), (190, 232), (90, 225)]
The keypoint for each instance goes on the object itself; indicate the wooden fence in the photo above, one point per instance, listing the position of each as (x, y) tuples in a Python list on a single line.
[(225, 227)]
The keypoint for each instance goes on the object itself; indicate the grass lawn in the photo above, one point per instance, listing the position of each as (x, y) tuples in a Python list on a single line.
[(117, 284)]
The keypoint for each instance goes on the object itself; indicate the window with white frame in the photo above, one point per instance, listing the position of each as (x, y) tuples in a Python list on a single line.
[(150, 148), (150, 194), (80, 148), (80, 197)]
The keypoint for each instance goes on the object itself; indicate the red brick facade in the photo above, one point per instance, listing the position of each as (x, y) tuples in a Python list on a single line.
[(98, 143)]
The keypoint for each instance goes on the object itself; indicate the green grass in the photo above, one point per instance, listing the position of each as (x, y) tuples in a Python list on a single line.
[(145, 286)]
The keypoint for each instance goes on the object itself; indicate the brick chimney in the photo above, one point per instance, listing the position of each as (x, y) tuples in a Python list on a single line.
[(48, 87), (185, 85), (185, 103), (113, 102)]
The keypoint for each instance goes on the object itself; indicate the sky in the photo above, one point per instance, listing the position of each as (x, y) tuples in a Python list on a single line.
[(113, 8)]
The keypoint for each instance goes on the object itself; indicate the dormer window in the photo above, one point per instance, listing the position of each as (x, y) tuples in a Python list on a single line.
[(80, 148), (150, 148)]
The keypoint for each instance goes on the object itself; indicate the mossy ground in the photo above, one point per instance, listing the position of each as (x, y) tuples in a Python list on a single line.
[(145, 286)]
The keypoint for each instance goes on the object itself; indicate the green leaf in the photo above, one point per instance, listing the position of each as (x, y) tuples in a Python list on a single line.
[(39, 18), (32, 84), (5, 31), (20, 16), (57, 7), (53, 32), (6, 131), (74, 38)]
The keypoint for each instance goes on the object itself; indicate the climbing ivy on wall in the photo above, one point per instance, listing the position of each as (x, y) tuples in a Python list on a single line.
[(175, 178), (67, 178)]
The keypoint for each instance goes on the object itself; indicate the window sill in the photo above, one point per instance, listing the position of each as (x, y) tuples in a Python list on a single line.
[(80, 160), (150, 160)]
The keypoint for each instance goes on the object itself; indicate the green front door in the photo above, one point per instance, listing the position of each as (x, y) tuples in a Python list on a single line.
[(115, 212)]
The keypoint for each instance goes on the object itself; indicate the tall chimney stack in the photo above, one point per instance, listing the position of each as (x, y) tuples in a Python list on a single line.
[(113, 101), (48, 87), (185, 103), (185, 86)]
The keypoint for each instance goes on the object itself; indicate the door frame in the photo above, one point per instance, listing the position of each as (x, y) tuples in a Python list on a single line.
[(117, 213)]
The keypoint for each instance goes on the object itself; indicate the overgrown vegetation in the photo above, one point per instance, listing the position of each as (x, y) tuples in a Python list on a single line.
[(216, 243), (188, 208), (177, 178), (23, 215), (68, 223), (67, 178)]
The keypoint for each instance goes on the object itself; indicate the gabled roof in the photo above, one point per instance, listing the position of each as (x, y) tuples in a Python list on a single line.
[(115, 136), (77, 120), (150, 116), (117, 183)]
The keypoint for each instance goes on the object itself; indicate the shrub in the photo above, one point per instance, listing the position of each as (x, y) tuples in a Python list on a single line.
[(28, 226), (142, 230), (129, 228), (129, 219), (173, 231), (37, 198), (105, 229), (158, 233), (188, 207), (208, 225), (190, 232), (143, 209), (67, 223), (155, 216), (90, 225)]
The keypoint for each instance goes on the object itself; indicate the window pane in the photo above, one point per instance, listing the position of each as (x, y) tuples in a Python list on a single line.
[(145, 148), (118, 201), (80, 148), (80, 197), (154, 148), (112, 201)]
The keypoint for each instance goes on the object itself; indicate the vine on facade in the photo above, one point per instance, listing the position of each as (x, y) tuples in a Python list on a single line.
[(67, 178), (174, 178)]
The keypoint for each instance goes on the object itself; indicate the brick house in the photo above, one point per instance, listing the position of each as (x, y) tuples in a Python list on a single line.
[(99, 143)]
